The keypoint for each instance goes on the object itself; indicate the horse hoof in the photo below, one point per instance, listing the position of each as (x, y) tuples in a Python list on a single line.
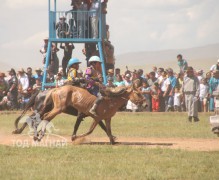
[(73, 138), (114, 138), (35, 138), (15, 132)]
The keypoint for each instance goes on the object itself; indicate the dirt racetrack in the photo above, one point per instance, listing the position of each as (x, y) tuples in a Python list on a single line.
[(170, 143)]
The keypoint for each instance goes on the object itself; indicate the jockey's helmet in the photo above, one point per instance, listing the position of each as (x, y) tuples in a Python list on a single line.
[(94, 59), (73, 61)]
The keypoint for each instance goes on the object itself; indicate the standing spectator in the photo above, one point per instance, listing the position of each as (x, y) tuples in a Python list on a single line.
[(146, 91), (152, 78), (177, 100), (37, 85), (110, 82), (82, 18), (200, 75), (119, 81), (127, 80), (156, 72), (182, 63), (173, 82), (38, 74), (59, 80), (44, 48), (111, 74), (203, 96), (213, 84), (191, 91), (13, 89), (215, 67), (155, 94), (30, 77), (62, 27), (3, 86), (94, 12), (23, 80), (164, 83), (68, 48)]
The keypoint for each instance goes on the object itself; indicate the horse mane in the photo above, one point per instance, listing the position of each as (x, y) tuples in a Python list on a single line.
[(115, 92)]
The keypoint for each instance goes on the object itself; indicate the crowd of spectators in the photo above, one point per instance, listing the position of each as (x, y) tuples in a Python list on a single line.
[(161, 87)]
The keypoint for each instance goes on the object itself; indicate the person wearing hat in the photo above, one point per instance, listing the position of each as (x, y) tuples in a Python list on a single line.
[(182, 63), (127, 80), (62, 27), (215, 66), (3, 85), (191, 91), (38, 74), (110, 82), (93, 85), (13, 89), (23, 81), (73, 66)]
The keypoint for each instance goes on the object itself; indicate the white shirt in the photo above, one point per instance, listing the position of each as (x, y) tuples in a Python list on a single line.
[(177, 101), (24, 82), (164, 83), (131, 106), (203, 91)]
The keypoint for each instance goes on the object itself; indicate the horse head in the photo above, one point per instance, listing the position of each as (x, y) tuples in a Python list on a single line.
[(135, 95)]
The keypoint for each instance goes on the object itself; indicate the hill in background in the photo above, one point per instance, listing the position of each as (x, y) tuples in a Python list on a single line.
[(199, 57)]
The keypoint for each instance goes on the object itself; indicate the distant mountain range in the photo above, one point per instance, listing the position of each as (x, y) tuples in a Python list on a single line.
[(198, 57)]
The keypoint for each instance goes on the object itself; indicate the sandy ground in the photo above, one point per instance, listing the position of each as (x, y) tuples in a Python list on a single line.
[(25, 140)]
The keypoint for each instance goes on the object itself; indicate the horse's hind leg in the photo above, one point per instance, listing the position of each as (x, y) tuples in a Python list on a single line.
[(19, 131), (92, 127)]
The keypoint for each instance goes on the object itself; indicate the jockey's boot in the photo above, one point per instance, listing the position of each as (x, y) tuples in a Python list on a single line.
[(93, 110)]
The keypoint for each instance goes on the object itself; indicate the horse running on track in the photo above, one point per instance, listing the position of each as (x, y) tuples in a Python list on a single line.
[(81, 100)]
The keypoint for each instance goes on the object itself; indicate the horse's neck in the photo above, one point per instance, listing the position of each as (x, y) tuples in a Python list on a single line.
[(121, 100)]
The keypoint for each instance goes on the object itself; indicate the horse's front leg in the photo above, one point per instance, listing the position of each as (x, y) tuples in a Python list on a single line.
[(108, 127), (77, 124)]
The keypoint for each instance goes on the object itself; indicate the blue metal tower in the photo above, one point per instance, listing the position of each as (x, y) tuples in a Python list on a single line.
[(72, 36)]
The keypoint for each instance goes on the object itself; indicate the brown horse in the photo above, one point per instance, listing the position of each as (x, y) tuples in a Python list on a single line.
[(82, 101)]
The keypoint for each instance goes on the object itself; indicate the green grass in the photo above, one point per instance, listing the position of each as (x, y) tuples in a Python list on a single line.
[(106, 162), (166, 125), (114, 162)]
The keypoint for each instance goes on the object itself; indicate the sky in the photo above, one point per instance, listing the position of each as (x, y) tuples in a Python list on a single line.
[(142, 25)]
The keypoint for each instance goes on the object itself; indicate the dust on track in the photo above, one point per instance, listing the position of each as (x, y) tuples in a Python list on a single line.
[(190, 144)]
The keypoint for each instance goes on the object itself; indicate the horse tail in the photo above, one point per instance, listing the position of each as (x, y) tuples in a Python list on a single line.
[(27, 107)]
